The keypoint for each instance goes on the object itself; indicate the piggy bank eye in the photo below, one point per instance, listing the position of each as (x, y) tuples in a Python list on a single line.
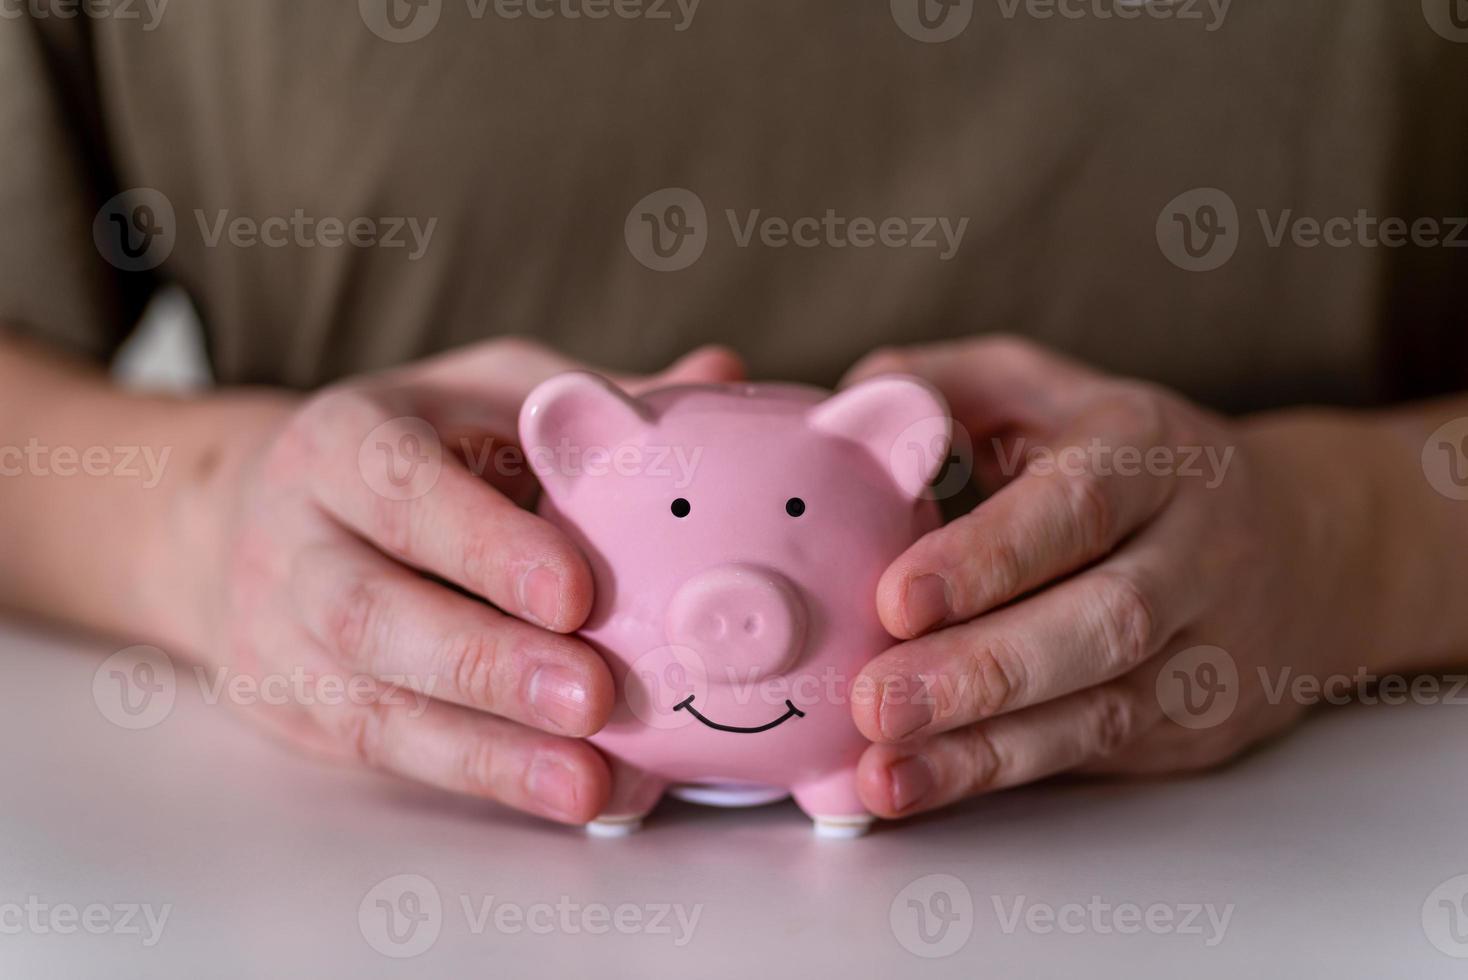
[(681, 507), (795, 506)]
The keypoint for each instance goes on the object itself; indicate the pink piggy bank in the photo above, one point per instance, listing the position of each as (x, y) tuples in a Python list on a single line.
[(736, 535)]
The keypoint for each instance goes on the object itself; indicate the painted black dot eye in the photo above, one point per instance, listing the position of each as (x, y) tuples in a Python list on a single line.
[(681, 507), (795, 506)]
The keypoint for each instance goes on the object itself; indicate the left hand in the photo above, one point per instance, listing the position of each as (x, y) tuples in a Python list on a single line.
[(1130, 527)]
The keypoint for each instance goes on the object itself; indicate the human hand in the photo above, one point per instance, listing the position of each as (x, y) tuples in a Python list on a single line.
[(1129, 529), (365, 528)]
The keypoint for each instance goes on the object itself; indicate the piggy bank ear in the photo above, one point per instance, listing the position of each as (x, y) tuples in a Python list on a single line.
[(900, 421), (573, 414)]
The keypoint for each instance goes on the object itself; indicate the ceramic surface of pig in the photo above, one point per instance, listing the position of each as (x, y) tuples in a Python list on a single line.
[(736, 535)]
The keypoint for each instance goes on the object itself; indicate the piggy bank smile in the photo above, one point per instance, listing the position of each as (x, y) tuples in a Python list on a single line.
[(791, 711)]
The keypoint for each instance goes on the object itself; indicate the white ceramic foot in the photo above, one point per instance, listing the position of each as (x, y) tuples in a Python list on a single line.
[(613, 826), (842, 828)]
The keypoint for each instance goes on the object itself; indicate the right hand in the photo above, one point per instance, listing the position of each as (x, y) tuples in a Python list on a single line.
[(352, 552)]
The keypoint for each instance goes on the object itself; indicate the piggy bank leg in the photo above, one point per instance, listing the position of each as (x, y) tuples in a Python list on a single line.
[(634, 794), (832, 802)]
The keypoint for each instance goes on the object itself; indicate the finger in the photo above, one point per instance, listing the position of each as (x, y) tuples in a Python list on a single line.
[(991, 382), (392, 482), (707, 365), (1087, 630), (503, 371), (377, 618), (1047, 523), (895, 781), (464, 751)]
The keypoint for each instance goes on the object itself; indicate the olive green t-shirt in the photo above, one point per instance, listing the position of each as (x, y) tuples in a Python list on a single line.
[(1258, 201)]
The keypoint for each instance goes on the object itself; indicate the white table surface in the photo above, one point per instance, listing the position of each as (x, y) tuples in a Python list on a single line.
[(1328, 847)]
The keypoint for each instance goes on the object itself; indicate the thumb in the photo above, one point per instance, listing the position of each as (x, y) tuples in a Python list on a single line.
[(992, 382)]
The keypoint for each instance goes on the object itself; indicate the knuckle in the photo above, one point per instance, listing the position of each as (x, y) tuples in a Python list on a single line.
[(1141, 408), (393, 524), (996, 678), (1114, 723), (1092, 513), (352, 620), (1009, 346), (515, 345), (887, 359), (472, 664), (1004, 569), (983, 763), (362, 730), (478, 555), (1126, 621), (476, 767), (348, 408)]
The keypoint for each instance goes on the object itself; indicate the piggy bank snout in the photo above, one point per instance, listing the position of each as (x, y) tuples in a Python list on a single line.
[(740, 622)]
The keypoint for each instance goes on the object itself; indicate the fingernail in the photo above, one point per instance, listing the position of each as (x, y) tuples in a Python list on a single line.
[(553, 785), (927, 603), (558, 696), (540, 595), (911, 780), (903, 709)]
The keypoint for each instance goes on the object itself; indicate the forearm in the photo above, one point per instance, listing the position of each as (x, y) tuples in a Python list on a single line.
[(110, 501), (1392, 551)]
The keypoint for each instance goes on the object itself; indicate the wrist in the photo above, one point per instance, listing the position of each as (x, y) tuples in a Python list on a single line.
[(216, 442), (1354, 538)]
